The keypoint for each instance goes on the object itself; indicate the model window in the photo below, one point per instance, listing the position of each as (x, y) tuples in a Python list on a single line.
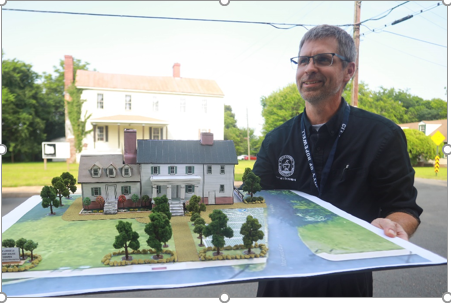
[(182, 105), (128, 102), (209, 171), (99, 101), (189, 189), (155, 170), (155, 104), (126, 171), (204, 106), (96, 172), (111, 172), (126, 190), (172, 170), (190, 170), (158, 189), (221, 188), (95, 191), (222, 169)]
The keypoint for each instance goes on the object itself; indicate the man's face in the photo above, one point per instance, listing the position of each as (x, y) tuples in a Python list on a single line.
[(322, 84)]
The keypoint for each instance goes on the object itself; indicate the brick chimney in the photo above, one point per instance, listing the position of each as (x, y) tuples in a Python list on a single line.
[(176, 70), (68, 80), (68, 70), (206, 139), (130, 152)]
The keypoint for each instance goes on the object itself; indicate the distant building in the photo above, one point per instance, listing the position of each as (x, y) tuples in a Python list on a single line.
[(429, 127), (158, 108)]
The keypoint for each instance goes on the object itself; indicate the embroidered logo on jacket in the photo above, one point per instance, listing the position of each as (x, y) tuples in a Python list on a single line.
[(286, 166)]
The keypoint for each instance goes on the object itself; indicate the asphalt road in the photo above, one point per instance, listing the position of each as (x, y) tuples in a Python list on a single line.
[(429, 281)]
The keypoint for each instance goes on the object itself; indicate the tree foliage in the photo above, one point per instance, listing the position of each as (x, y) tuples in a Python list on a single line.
[(30, 246), (21, 244), (195, 206), (218, 229), (127, 238), (77, 122), (199, 225), (251, 232), (60, 188), (48, 196), (419, 145), (159, 230), (162, 206), (8, 243), (251, 183), (69, 181)]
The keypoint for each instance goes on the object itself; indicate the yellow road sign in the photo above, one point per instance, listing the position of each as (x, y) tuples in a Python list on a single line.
[(438, 138)]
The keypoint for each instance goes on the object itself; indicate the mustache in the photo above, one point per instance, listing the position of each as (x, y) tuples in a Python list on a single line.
[(312, 77)]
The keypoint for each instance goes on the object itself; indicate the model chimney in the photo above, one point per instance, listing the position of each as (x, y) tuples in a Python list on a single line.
[(130, 151), (176, 70), (206, 138)]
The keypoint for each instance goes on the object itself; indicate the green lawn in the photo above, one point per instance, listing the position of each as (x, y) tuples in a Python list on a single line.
[(33, 173)]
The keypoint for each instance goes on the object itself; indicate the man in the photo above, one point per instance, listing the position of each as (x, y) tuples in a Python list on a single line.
[(354, 159)]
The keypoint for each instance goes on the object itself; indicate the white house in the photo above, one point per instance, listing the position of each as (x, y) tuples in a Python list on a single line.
[(158, 108)]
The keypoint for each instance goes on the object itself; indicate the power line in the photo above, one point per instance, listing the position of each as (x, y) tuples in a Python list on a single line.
[(414, 38)]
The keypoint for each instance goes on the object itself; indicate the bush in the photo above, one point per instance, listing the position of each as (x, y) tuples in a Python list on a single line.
[(419, 145)]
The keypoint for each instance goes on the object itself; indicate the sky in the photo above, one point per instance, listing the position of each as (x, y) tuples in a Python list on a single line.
[(248, 61)]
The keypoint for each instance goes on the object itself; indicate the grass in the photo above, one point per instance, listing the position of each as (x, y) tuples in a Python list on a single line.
[(33, 173)]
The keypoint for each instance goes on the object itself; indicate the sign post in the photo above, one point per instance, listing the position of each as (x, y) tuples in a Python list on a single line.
[(438, 139), (55, 150)]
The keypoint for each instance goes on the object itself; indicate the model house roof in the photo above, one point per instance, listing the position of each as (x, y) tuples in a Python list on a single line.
[(103, 162), (185, 152), (93, 79)]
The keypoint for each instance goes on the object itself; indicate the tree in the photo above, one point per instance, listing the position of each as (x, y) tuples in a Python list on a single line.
[(162, 206), (21, 244), (48, 195), (419, 145), (60, 188), (30, 246), (100, 200), (252, 184), (251, 232), (194, 205), (194, 217), (86, 202), (69, 181), (247, 170), (218, 229), (145, 199), (199, 225), (127, 238), (122, 199), (281, 106), (8, 243), (135, 199), (159, 230)]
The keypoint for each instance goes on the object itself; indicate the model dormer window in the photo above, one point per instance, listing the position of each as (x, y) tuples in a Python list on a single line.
[(95, 171), (111, 171), (126, 171)]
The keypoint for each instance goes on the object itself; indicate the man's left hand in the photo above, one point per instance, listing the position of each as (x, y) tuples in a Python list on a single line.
[(391, 228)]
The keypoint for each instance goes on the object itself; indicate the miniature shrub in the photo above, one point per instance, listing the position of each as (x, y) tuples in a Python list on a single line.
[(123, 262), (153, 261), (10, 269), (115, 263), (135, 261), (106, 262), (140, 261), (227, 248), (161, 261), (220, 257), (202, 258), (209, 248), (4, 269), (21, 269), (209, 258), (146, 260), (215, 257), (111, 263)]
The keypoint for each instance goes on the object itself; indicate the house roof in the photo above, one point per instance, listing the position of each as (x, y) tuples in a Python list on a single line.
[(185, 152), (98, 80), (103, 161), (438, 125)]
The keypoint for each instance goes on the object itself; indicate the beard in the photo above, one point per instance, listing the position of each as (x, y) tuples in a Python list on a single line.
[(317, 96)]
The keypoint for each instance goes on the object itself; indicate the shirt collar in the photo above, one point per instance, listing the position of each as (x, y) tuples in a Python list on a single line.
[(333, 125)]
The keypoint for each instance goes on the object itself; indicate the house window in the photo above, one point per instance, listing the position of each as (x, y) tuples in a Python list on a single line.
[(221, 188), (126, 171), (96, 171), (172, 170), (128, 102), (182, 105), (189, 189), (99, 101), (422, 128), (126, 190), (96, 191), (155, 104), (209, 170), (222, 172), (204, 105), (111, 172), (155, 170), (156, 133), (102, 133), (190, 170), (158, 189)]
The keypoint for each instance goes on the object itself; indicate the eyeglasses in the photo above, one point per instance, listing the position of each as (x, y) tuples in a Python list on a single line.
[(320, 60)]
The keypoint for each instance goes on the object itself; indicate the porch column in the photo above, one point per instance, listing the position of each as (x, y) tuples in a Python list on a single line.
[(154, 191), (94, 135), (118, 135), (169, 192), (182, 192)]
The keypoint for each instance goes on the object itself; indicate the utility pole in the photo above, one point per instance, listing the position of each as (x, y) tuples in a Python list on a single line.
[(355, 84), (248, 139)]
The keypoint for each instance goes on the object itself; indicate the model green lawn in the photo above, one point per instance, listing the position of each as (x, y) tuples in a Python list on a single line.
[(76, 245)]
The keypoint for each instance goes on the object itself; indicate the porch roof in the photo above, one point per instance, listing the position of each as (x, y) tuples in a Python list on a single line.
[(175, 179)]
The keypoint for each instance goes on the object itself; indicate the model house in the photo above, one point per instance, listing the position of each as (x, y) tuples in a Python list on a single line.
[(158, 108), (178, 169)]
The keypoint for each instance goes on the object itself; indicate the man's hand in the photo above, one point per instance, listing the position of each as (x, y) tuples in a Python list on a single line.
[(397, 224), (391, 229)]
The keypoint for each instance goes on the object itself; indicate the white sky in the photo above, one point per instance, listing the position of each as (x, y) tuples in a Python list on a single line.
[(247, 61)]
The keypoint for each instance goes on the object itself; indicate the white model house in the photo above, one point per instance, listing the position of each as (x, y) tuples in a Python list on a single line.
[(158, 108)]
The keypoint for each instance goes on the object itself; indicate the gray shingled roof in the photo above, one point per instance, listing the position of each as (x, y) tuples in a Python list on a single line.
[(103, 161), (185, 152)]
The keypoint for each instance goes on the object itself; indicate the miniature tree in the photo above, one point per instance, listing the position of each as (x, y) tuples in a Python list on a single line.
[(194, 217), (100, 200), (251, 232), (246, 172), (30, 246), (48, 195), (159, 230), (194, 205), (135, 199), (69, 181), (86, 202), (219, 229), (252, 184), (121, 199), (8, 243), (145, 199), (199, 225), (162, 206), (126, 238), (60, 188), (21, 244)]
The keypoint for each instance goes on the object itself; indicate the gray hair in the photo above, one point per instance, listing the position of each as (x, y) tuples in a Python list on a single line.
[(346, 46)]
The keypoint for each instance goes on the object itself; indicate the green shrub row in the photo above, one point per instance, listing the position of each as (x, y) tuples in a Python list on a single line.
[(106, 260), (14, 268), (203, 253), (254, 200)]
